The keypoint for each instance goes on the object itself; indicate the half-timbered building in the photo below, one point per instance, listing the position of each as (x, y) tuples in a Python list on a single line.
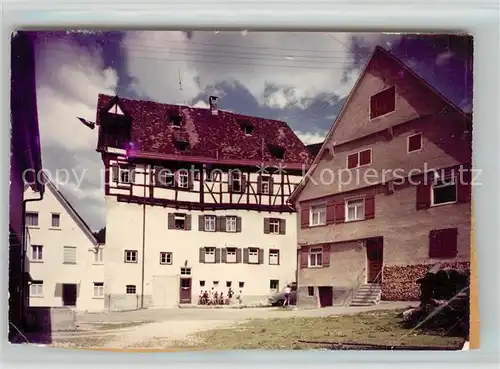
[(196, 199)]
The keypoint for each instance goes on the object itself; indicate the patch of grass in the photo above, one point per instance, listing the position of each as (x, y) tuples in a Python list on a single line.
[(112, 326), (82, 342), (380, 327)]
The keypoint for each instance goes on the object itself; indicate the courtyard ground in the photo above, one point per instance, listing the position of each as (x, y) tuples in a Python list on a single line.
[(264, 328)]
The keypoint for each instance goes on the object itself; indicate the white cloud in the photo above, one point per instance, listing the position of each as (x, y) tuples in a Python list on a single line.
[(309, 138), (201, 104)]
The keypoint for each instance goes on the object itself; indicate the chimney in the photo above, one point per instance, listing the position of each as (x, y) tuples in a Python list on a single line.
[(212, 100)]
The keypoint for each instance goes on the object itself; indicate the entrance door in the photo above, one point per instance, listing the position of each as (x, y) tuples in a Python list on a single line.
[(69, 294), (374, 255), (185, 291)]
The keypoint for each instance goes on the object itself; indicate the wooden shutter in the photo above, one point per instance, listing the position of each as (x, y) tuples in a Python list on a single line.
[(224, 255), (245, 255), (330, 212), (190, 180), (217, 224), (443, 243), (266, 226), (370, 207), (222, 224), (171, 221), (202, 255), (365, 157), (229, 181), (304, 257), (243, 183), (176, 178), (238, 256), (271, 185), (114, 173), (261, 256), (282, 226), (326, 255), (259, 184), (201, 222), (187, 223), (423, 196), (339, 212), (464, 189), (352, 161), (132, 173), (217, 255), (238, 224), (304, 216)]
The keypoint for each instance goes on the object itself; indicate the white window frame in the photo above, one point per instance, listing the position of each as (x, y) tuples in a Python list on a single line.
[(274, 255), (450, 181), (58, 217), (167, 255), (37, 217), (375, 94), (236, 177), (37, 253), (180, 217), (98, 255), (355, 202), (65, 261), (312, 212), (209, 223), (359, 159), (277, 285), (36, 289), (253, 255), (210, 255), (98, 290), (408, 143), (131, 256), (166, 178), (231, 255), (274, 226), (134, 289), (122, 170), (317, 252), (231, 224), (265, 185), (183, 178), (185, 271)]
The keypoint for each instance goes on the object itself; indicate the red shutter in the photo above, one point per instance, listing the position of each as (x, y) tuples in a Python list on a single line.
[(304, 216), (443, 243), (370, 207), (464, 189), (326, 255), (339, 212), (352, 161), (304, 257), (330, 212), (423, 196), (365, 157)]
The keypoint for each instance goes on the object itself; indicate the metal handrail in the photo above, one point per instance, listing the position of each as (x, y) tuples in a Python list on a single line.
[(355, 289)]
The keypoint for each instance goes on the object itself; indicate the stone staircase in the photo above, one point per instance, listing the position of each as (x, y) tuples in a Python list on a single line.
[(367, 295)]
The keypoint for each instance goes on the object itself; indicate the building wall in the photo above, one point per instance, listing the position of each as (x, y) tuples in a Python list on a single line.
[(124, 231), (51, 270)]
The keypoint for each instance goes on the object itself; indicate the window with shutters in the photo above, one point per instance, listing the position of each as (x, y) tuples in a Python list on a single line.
[(265, 182), (317, 215), (231, 224), (56, 220), (209, 221), (183, 178), (443, 243), (165, 258), (31, 219), (130, 289), (36, 253), (415, 142), (180, 221), (69, 255), (316, 257), (274, 226), (253, 255), (36, 289), (124, 174), (209, 254), (130, 256), (383, 102), (185, 271), (444, 191), (359, 159), (231, 255), (98, 289), (355, 209), (274, 257)]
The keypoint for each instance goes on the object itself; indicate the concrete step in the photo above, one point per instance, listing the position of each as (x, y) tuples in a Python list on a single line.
[(367, 295)]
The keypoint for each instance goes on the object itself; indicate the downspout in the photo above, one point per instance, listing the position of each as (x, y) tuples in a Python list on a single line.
[(143, 238)]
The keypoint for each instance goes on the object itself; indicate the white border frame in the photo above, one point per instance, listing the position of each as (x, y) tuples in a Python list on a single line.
[(408, 142), (355, 198), (323, 204)]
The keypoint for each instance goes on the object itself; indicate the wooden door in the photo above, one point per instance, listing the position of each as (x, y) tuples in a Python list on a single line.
[(69, 294), (185, 291), (374, 255)]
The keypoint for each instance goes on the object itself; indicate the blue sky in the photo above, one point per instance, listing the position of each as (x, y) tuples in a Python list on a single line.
[(301, 78)]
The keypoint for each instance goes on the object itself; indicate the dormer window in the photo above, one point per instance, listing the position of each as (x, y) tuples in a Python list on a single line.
[(246, 126), (176, 121), (181, 140), (276, 151), (383, 102)]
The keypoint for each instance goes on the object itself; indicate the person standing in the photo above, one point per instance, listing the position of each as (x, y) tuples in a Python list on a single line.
[(286, 302)]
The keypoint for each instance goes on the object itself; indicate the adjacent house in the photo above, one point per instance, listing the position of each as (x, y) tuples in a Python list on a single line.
[(197, 199), (25, 165), (388, 194), (66, 261)]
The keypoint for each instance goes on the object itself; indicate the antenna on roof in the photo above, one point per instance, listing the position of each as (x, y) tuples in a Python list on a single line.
[(180, 85)]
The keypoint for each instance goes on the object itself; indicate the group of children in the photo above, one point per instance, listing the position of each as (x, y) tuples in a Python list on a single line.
[(213, 297)]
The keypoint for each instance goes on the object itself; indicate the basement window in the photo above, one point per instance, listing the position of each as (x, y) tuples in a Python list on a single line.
[(276, 151)]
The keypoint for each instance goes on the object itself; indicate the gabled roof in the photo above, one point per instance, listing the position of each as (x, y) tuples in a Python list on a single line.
[(379, 51), (71, 210), (221, 137)]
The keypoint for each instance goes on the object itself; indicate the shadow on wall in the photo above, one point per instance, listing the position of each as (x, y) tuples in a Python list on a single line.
[(41, 322)]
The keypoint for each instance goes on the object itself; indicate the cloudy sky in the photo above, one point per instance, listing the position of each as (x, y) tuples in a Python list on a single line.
[(301, 78)]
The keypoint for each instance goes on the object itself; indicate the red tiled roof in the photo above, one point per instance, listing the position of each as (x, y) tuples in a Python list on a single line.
[(210, 136)]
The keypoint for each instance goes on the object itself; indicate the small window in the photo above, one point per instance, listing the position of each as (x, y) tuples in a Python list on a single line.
[(165, 258), (236, 181), (164, 177), (185, 271), (196, 175), (202, 283), (274, 226), (130, 256), (216, 283), (231, 224), (228, 284), (209, 254), (241, 284), (36, 289), (277, 152), (176, 121), (317, 215), (359, 159), (32, 219), (274, 285), (124, 174), (355, 209), (183, 179), (265, 183), (253, 255), (209, 223), (55, 220), (69, 255), (310, 291), (180, 221), (246, 126), (231, 255), (383, 102), (99, 255), (130, 289), (415, 142), (36, 253), (98, 289), (274, 257), (316, 257), (444, 191), (248, 130)]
